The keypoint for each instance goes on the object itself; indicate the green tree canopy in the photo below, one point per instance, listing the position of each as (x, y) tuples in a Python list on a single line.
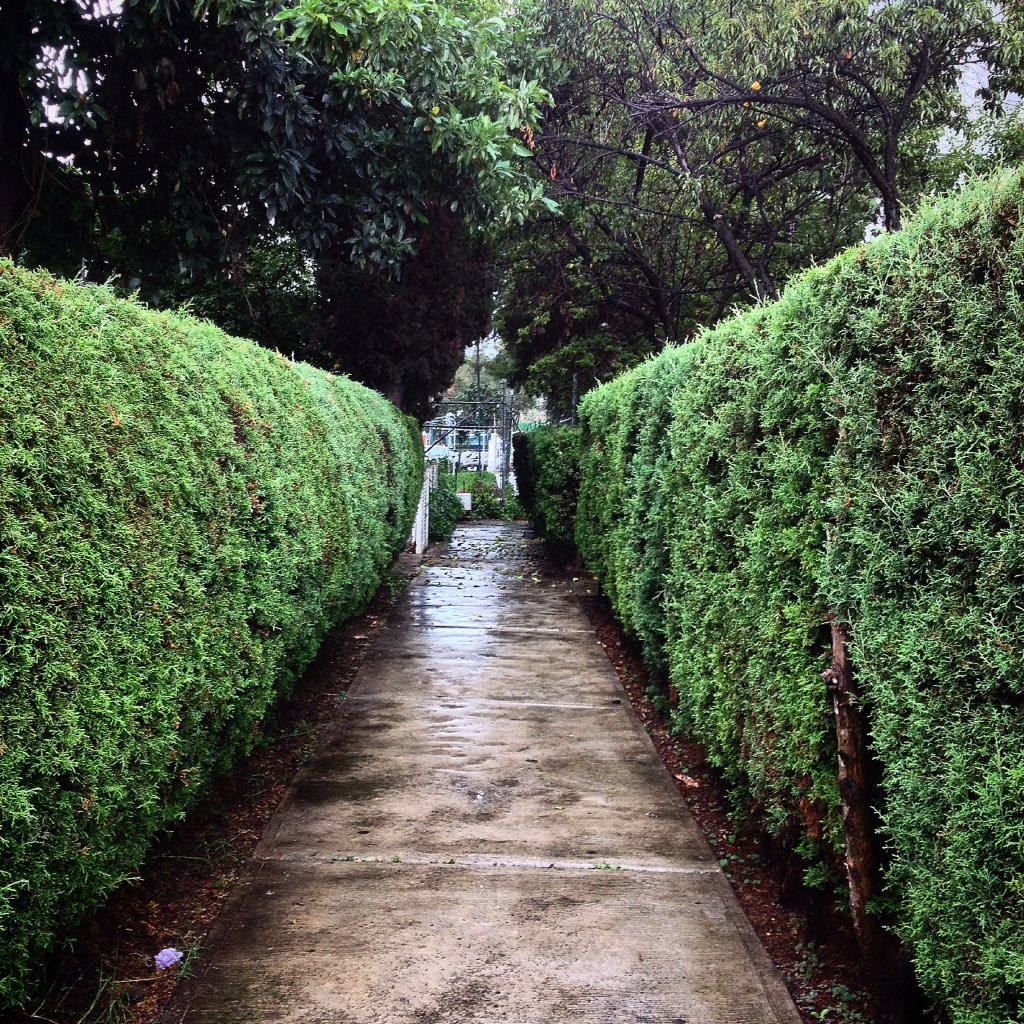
[(211, 150), (217, 122), (704, 155), (407, 336)]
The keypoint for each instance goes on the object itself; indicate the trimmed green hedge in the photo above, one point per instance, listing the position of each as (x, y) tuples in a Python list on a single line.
[(183, 515), (547, 471), (926, 559), (623, 509), (445, 509), (748, 631), (851, 453)]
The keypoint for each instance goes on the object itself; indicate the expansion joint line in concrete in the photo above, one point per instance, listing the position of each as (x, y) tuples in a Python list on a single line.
[(489, 626), (457, 705), (489, 862)]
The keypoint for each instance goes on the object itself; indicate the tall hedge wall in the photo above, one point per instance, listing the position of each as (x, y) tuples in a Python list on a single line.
[(183, 515), (547, 480), (851, 454)]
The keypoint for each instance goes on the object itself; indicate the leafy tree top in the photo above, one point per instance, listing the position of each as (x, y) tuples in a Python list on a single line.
[(334, 122)]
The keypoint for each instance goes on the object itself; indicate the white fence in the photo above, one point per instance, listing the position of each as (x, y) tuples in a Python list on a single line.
[(420, 536)]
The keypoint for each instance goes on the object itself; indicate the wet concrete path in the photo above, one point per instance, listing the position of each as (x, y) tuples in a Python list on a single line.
[(486, 835)]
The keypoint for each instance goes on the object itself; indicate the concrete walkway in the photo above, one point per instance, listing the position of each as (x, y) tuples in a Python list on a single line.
[(487, 835)]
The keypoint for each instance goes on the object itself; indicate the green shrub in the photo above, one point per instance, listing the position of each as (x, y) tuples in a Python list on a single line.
[(467, 480), (926, 560), (487, 504), (183, 515), (851, 453), (748, 633), (623, 510), (599, 527), (445, 509), (644, 560), (547, 464)]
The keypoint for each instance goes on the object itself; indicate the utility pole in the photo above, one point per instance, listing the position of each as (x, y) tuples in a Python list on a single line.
[(479, 397), (506, 439)]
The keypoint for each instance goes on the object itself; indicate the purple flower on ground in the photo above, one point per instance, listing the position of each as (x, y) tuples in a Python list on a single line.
[(167, 958)]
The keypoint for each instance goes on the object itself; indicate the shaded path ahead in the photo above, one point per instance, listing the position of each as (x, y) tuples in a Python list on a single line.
[(486, 835)]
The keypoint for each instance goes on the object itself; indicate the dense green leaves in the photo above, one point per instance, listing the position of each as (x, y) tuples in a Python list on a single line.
[(547, 474), (281, 170), (438, 83), (213, 151), (406, 337), (330, 122), (183, 515), (624, 509), (703, 155), (746, 628), (925, 560), (445, 509), (850, 453)]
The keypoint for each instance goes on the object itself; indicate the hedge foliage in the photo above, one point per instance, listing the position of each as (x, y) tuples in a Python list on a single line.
[(445, 509), (486, 502), (851, 453), (183, 515), (546, 462)]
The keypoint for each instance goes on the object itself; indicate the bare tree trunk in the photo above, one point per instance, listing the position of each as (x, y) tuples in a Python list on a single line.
[(757, 280), (854, 790)]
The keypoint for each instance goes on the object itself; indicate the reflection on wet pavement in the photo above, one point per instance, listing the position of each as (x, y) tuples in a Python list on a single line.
[(486, 835)]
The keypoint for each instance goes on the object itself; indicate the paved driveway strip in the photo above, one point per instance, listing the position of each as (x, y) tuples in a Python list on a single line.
[(486, 835)]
